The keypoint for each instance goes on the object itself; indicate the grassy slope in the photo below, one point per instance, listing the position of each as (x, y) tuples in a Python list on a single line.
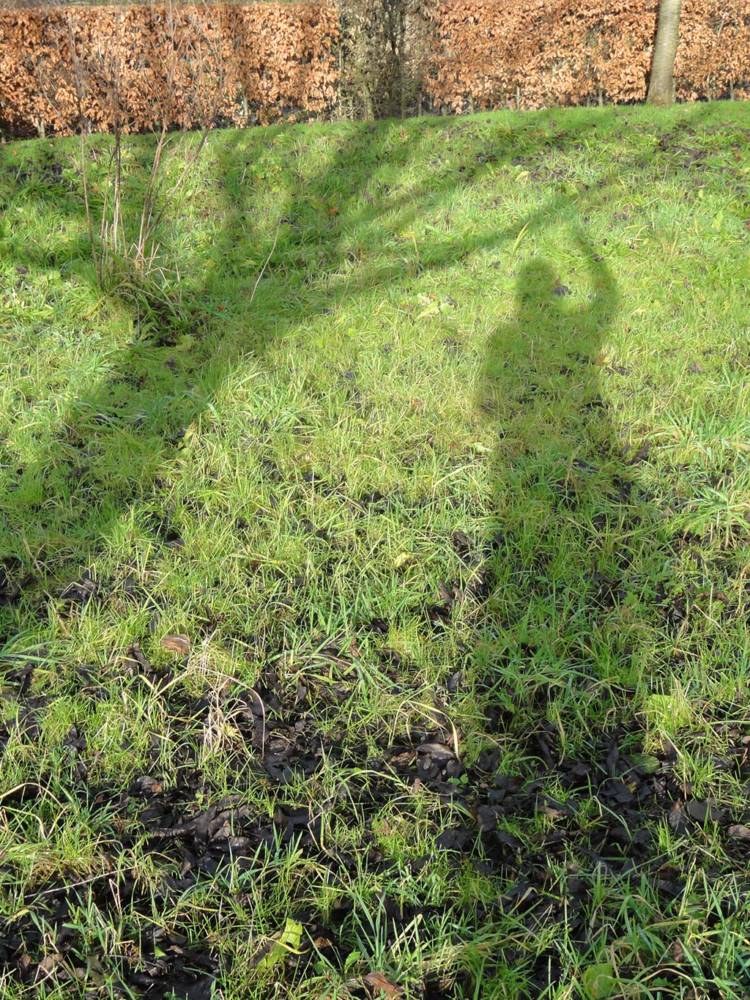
[(470, 467)]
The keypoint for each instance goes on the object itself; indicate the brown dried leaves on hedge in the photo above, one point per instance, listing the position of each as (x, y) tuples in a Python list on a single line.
[(184, 67), (195, 65), (489, 53)]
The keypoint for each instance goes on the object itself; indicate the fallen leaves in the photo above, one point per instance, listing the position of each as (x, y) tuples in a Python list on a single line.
[(286, 942), (403, 559), (381, 986), (81, 591), (178, 644), (599, 981)]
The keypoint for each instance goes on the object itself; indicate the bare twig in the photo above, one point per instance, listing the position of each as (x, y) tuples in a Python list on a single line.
[(265, 265)]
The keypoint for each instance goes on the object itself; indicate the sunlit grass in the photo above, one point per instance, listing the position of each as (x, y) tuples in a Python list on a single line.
[(489, 393)]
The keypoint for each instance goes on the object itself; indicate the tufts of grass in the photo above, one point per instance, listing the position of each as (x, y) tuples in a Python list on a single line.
[(431, 443)]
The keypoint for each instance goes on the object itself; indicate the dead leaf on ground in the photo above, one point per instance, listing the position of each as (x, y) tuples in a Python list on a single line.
[(179, 644), (381, 986)]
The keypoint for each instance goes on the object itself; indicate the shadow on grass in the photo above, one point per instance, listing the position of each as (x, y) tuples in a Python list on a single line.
[(114, 440), (550, 640)]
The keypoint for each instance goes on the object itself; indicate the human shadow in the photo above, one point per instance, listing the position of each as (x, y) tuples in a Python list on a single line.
[(554, 469), (557, 660)]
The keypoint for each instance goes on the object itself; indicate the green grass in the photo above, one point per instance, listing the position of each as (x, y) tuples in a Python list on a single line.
[(468, 464)]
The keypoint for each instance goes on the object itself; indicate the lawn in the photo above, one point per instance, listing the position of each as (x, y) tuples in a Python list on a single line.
[(375, 578)]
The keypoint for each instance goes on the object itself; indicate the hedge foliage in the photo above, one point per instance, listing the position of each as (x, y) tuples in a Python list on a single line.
[(188, 65), (488, 53), (182, 66)]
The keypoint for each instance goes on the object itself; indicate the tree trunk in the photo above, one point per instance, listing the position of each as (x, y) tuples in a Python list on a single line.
[(661, 84)]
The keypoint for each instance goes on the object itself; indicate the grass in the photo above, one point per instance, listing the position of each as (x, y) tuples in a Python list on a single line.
[(432, 439)]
